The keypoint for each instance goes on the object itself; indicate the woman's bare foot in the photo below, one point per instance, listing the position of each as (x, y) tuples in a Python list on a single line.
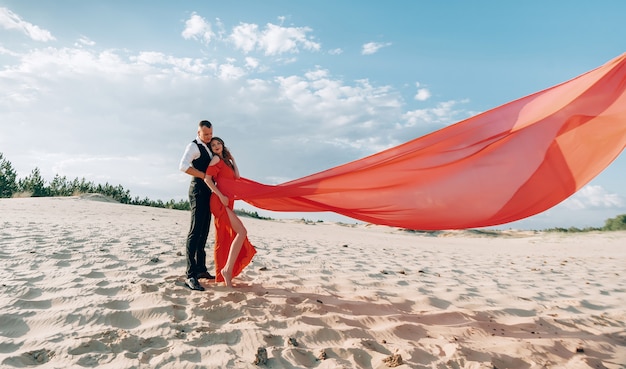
[(228, 278)]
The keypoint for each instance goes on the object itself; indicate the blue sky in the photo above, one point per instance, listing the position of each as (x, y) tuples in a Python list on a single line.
[(112, 90)]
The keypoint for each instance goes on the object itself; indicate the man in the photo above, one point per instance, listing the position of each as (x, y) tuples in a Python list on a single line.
[(194, 162)]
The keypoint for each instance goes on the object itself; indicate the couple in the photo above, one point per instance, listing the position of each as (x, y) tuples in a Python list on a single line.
[(207, 160)]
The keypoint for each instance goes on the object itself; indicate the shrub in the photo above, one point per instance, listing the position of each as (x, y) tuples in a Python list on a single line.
[(615, 224)]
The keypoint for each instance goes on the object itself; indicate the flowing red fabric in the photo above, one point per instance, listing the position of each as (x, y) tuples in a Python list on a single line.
[(500, 166), (224, 233)]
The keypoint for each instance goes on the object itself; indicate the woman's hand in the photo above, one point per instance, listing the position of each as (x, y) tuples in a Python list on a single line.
[(223, 199)]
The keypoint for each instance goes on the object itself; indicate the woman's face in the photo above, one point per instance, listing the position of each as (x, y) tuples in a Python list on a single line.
[(216, 147)]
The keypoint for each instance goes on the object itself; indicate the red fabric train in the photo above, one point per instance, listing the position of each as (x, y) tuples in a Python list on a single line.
[(500, 166)]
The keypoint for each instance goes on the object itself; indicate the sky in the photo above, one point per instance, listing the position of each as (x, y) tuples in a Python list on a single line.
[(112, 91)]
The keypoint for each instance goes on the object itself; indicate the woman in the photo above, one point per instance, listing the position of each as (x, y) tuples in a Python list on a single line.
[(233, 251)]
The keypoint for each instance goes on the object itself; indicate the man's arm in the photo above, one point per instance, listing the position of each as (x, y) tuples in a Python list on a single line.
[(191, 153), (195, 172)]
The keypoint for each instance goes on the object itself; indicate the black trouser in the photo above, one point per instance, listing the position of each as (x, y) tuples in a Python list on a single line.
[(199, 199)]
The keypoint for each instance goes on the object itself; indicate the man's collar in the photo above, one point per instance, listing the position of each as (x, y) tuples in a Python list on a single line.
[(198, 140)]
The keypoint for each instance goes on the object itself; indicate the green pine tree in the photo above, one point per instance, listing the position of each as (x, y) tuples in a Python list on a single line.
[(8, 175), (33, 184)]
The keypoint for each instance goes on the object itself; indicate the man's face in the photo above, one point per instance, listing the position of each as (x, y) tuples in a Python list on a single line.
[(205, 134)]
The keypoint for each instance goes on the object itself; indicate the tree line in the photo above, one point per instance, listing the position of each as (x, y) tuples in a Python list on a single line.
[(34, 185)]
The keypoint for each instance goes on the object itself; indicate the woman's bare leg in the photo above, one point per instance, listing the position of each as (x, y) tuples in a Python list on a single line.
[(235, 246)]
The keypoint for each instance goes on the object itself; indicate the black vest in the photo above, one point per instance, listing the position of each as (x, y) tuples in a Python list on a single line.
[(203, 161)]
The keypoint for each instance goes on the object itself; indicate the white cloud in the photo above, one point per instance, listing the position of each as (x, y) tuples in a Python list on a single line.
[(373, 47), (273, 40), (591, 206), (278, 40), (422, 94), (593, 196), (220, 28), (186, 65), (5, 51), (83, 40), (444, 113), (12, 21), (252, 63), (230, 71), (198, 28), (151, 57), (245, 37), (334, 103), (336, 51)]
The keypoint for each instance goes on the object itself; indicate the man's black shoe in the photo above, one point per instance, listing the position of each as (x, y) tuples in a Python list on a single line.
[(206, 275), (193, 284)]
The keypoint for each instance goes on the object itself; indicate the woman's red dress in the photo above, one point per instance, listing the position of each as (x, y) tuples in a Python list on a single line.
[(224, 232)]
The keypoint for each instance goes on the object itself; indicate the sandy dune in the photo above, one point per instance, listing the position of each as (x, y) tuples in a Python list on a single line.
[(88, 283)]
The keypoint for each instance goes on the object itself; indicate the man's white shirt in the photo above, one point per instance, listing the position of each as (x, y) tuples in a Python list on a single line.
[(192, 152)]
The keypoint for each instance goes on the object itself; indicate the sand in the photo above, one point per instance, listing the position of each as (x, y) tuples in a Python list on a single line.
[(90, 283)]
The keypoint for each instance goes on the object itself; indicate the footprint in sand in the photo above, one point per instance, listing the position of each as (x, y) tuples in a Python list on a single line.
[(32, 358), (13, 326), (117, 305), (300, 358), (112, 291)]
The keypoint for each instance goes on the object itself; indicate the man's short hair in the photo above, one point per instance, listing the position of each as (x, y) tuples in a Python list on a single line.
[(205, 123)]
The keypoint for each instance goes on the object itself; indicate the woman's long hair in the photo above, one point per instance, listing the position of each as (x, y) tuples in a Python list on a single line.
[(225, 153)]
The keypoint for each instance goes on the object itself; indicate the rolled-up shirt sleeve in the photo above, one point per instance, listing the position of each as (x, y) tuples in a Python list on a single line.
[(191, 153)]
